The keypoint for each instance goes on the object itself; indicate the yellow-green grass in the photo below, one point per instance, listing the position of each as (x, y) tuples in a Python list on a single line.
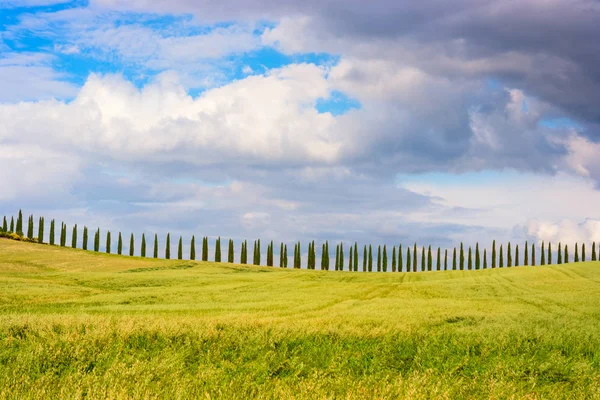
[(77, 324)]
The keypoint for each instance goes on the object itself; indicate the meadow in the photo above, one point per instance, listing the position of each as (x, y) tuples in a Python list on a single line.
[(77, 324)]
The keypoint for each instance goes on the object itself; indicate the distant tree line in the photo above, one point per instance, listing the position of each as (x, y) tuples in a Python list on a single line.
[(402, 259)]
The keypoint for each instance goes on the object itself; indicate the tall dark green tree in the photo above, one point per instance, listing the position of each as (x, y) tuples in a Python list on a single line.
[(299, 255), (423, 265), (438, 260), (415, 257), (180, 249), (40, 237), (583, 252), (131, 245), (4, 225), (533, 254), (559, 257), (327, 260), (231, 252), (74, 237), (30, 228), (378, 258), (350, 260), (337, 257), (508, 256), (576, 259), (119, 244), (549, 253), (285, 256), (108, 242), (484, 258), (168, 247), (493, 254), (355, 257), (192, 248), (19, 228), (84, 245), (408, 258), (244, 253), (462, 257), (341, 256), (394, 259), (429, 259), (566, 256), (370, 259), (501, 264), (454, 259), (63, 234), (400, 266), (12, 224), (96, 240), (365, 259), (594, 251), (517, 256), (543, 255), (218, 250), (282, 263), (526, 255), (470, 260), (155, 252), (143, 246), (477, 259), (445, 259), (384, 261)]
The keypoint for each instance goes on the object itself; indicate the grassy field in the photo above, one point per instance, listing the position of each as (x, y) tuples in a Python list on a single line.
[(76, 324)]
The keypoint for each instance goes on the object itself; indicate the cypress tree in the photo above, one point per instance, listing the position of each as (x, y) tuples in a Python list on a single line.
[(470, 260), (462, 257), (533, 254), (543, 259), (155, 246), (180, 249), (350, 261), (501, 264), (526, 255), (429, 259), (119, 244), (341, 256), (231, 252), (384, 261), (131, 245), (438, 260), (549, 254), (168, 247), (593, 251), (508, 256), (12, 224), (583, 252), (559, 260), (108, 242), (494, 254), (244, 253), (566, 257), (4, 225), (394, 259), (143, 247), (415, 254), (517, 256), (205, 249), (378, 258), (400, 266), (282, 263), (40, 229), (408, 258), (576, 253), (63, 234), (477, 259), (370, 259), (365, 259), (218, 250), (30, 227), (74, 237), (484, 258), (96, 241), (285, 256), (299, 253), (327, 255), (423, 265), (84, 245), (355, 257), (192, 248), (20, 224), (454, 259), (337, 257)]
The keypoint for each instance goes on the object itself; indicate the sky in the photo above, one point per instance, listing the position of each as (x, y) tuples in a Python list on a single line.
[(436, 122)]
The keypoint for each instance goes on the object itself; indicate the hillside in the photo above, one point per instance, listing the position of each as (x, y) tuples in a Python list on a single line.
[(76, 324)]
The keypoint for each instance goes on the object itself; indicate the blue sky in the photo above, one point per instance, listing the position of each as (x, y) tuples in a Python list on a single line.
[(313, 120)]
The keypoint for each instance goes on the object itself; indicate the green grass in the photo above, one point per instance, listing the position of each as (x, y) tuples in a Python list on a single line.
[(77, 324)]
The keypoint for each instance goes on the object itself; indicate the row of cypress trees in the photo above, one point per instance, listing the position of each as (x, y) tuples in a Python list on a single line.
[(399, 263)]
